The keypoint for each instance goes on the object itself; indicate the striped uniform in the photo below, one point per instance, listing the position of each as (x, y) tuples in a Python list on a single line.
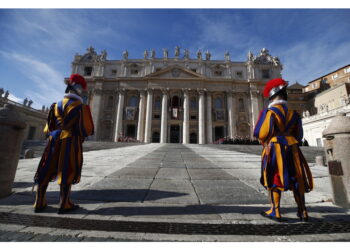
[(69, 122), (283, 165)]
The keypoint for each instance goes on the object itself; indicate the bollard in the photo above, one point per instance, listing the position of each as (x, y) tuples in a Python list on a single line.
[(319, 160), (28, 153), (11, 137), (337, 147)]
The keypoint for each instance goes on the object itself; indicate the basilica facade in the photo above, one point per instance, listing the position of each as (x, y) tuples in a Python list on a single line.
[(175, 99)]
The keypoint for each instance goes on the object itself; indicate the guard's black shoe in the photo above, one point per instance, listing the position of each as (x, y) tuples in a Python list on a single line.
[(303, 216), (67, 210), (274, 218), (40, 209)]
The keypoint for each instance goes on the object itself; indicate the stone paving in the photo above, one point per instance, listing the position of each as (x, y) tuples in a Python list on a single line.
[(168, 183)]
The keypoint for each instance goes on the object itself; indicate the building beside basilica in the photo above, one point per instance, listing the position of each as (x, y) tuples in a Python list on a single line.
[(175, 99)]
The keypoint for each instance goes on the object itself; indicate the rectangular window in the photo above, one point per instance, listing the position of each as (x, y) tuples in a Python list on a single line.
[(193, 117), (194, 70), (156, 116), (239, 74), (335, 76), (265, 73), (347, 70), (87, 71), (158, 69), (113, 72)]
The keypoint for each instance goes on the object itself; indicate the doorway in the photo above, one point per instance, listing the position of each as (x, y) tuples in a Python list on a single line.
[(175, 134), (193, 138), (219, 132), (156, 137), (131, 131)]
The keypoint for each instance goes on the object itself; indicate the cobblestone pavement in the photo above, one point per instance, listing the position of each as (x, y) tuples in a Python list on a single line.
[(170, 192)]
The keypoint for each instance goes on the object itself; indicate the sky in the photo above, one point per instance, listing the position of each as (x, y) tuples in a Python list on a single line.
[(37, 46)]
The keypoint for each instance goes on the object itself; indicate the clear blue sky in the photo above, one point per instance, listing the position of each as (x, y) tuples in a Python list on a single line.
[(38, 45)]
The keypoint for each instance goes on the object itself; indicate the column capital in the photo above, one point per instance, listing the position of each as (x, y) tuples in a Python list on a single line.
[(228, 93), (97, 91), (142, 91), (165, 91), (121, 91), (150, 90), (201, 91), (255, 93)]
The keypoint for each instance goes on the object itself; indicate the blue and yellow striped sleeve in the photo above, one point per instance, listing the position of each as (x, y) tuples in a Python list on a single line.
[(86, 124), (264, 127)]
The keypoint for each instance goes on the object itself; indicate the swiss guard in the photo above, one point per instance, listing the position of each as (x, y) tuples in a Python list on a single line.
[(283, 166), (68, 124)]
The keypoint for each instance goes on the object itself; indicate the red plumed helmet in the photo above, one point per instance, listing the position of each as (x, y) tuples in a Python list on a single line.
[(76, 78), (273, 86)]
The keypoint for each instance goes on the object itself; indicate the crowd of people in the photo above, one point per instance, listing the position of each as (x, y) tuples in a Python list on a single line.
[(239, 140)]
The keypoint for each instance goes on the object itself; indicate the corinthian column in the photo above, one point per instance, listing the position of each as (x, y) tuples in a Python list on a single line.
[(186, 125), (95, 108), (120, 111), (230, 114), (164, 118), (141, 121), (148, 127), (254, 109), (201, 117), (209, 119)]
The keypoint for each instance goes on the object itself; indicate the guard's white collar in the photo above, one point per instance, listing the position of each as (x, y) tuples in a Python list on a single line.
[(277, 102), (74, 96)]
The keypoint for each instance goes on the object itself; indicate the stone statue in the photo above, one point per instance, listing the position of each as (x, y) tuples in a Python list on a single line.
[(307, 113), (1, 92), (153, 53), (7, 94), (207, 55), (30, 103), (91, 50), (145, 54), (187, 54), (227, 56), (250, 56), (25, 102), (177, 51), (165, 53), (199, 54), (43, 108), (103, 55), (125, 55), (276, 60)]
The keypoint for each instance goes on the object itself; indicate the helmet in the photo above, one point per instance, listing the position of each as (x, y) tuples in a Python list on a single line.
[(274, 86)]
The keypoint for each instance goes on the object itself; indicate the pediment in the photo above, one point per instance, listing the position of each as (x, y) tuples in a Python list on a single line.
[(175, 72)]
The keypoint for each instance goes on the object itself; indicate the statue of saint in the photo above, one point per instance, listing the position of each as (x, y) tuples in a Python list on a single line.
[(25, 101), (165, 53), (125, 54), (153, 53), (227, 56), (145, 54), (199, 54), (187, 54), (177, 51), (207, 55)]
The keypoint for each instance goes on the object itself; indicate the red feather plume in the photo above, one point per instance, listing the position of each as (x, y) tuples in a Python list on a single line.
[(272, 84)]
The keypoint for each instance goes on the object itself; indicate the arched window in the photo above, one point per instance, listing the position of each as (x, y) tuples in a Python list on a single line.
[(218, 103), (193, 103), (157, 103), (241, 105), (133, 101)]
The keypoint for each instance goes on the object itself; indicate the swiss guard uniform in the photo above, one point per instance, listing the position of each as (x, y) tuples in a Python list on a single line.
[(69, 122), (283, 165)]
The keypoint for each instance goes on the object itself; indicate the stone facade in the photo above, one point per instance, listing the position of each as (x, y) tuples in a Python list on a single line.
[(178, 99), (327, 104), (35, 119), (332, 79)]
